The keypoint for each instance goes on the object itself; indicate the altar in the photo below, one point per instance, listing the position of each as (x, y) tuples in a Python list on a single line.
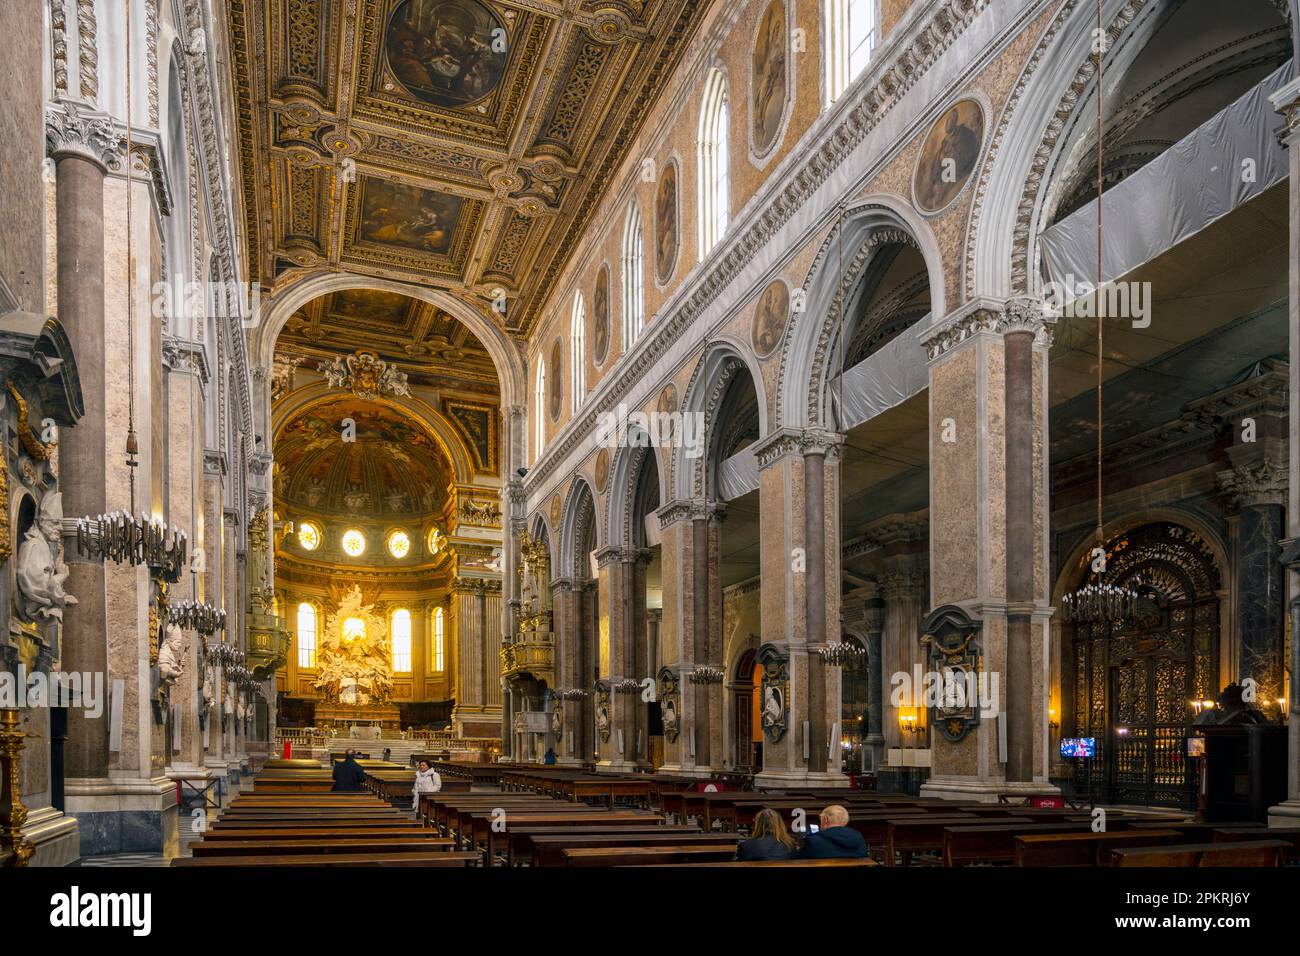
[(370, 719)]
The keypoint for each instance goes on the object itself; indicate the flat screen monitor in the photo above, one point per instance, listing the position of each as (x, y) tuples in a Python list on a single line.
[(1078, 746)]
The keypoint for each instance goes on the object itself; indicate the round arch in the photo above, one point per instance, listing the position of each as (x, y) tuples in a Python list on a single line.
[(870, 222), (625, 473), (722, 360), (578, 516), (437, 427), (1067, 577), (505, 357)]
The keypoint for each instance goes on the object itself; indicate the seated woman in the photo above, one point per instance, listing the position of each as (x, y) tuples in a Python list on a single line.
[(768, 840)]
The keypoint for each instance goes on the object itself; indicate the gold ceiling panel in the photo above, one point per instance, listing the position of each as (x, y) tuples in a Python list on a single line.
[(461, 144)]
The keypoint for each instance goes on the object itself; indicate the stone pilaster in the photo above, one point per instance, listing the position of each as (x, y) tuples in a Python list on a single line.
[(988, 531)]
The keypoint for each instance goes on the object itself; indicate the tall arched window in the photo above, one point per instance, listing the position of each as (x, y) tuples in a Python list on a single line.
[(439, 641), (539, 403), (633, 277), (401, 635), (713, 183), (578, 353), (306, 635), (850, 31)]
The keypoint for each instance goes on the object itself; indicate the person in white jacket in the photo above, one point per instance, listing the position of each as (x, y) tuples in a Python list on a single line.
[(426, 781)]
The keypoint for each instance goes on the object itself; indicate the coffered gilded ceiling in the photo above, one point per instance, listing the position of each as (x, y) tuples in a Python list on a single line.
[(457, 143)]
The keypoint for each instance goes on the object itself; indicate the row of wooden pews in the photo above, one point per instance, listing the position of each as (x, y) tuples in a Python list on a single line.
[(320, 829)]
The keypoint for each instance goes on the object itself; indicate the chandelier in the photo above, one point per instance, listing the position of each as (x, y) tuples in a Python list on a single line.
[(204, 618), (228, 656), (125, 538), (628, 685), (1097, 601), (841, 653), (366, 374), (707, 674)]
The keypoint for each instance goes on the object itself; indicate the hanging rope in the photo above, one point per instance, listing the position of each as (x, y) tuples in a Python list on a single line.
[(132, 443), (1100, 45)]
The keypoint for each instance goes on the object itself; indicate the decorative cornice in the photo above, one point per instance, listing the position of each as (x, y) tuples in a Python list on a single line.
[(184, 355), (1020, 314), (88, 50), (898, 67)]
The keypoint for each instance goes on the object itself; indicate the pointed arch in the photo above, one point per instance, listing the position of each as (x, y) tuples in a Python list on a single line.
[(578, 526)]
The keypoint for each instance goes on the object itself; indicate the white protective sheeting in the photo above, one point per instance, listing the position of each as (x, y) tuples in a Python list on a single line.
[(1229, 159), (885, 378)]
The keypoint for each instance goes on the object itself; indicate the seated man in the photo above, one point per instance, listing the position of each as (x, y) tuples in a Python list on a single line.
[(348, 774), (836, 840)]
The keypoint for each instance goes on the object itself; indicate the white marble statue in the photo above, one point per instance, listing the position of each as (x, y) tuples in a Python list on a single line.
[(171, 657), (40, 568)]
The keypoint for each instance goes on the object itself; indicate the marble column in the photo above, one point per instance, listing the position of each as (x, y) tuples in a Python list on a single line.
[(989, 498), (83, 146), (1287, 102), (676, 649), (801, 590), (873, 741), (609, 629)]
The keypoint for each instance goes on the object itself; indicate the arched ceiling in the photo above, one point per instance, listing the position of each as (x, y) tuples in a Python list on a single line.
[(392, 468), (431, 347), (463, 144)]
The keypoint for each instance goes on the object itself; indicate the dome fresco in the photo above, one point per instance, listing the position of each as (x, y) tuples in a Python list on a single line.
[(392, 468)]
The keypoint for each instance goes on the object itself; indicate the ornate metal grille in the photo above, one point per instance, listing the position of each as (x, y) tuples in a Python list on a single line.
[(1133, 682)]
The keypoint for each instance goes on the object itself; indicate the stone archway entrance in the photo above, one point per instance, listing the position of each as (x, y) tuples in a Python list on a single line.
[(1133, 683)]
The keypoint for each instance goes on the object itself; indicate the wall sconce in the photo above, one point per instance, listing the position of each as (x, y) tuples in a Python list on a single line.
[(706, 674), (1201, 705), (909, 720), (1121, 731), (1053, 721)]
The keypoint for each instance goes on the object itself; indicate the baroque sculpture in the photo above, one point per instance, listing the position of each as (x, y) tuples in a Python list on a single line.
[(41, 571)]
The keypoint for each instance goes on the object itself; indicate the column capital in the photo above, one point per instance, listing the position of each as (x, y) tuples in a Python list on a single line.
[(608, 555), (1287, 102), (73, 130), (788, 442), (690, 509), (1251, 485), (992, 317)]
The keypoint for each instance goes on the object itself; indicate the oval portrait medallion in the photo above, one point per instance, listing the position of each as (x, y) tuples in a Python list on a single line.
[(948, 156), (600, 316), (768, 80), (446, 52), (770, 314), (667, 233), (555, 382), (667, 403), (602, 469)]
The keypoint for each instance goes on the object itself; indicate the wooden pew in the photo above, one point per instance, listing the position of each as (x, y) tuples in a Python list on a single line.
[(797, 864), (1082, 849), (480, 832), (918, 834), (550, 850), (638, 855), (1237, 853), (320, 833), (519, 840), (442, 858), (1289, 835), (989, 842), (281, 845)]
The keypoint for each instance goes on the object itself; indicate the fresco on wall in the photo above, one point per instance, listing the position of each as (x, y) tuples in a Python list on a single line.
[(770, 313), (949, 155), (397, 214), (769, 81), (553, 378), (600, 316), (667, 228), (446, 52)]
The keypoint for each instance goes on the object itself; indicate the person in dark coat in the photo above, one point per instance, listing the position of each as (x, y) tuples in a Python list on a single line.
[(836, 839), (348, 775), (768, 840)]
